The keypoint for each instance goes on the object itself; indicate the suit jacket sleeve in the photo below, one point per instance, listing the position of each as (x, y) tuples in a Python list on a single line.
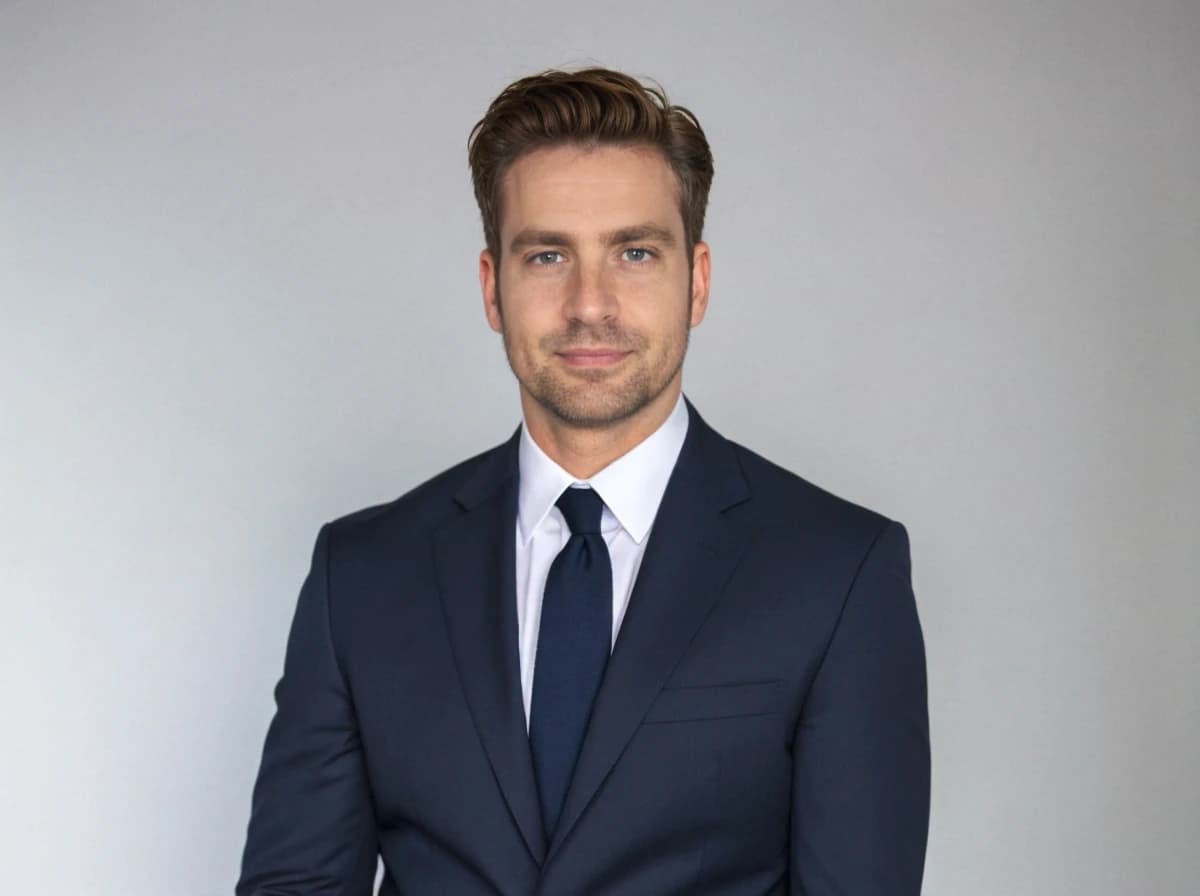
[(312, 828), (860, 801)]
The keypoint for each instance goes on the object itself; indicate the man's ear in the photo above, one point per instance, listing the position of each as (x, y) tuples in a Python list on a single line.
[(488, 275), (701, 280)]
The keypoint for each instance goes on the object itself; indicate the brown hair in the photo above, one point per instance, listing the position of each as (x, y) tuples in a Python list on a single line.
[(588, 107)]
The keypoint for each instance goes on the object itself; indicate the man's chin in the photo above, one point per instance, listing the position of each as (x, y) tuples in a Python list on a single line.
[(591, 411)]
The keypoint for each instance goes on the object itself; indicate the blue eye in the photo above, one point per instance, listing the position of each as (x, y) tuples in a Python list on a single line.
[(637, 255), (546, 258)]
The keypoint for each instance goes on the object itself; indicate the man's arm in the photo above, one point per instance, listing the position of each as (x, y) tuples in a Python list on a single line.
[(312, 826), (860, 799)]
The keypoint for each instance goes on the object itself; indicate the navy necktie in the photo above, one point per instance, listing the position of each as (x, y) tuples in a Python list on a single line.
[(574, 638)]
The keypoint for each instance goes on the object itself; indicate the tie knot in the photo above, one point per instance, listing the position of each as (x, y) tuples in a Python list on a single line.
[(582, 508)]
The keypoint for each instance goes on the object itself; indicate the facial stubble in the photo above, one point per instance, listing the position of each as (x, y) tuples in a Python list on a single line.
[(580, 398)]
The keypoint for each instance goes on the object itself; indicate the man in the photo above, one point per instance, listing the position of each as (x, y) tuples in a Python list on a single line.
[(618, 654)]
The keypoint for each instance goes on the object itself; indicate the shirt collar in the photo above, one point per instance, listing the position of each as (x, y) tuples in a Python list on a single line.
[(631, 486)]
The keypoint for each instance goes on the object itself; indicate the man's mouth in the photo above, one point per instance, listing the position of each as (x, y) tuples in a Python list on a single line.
[(593, 357)]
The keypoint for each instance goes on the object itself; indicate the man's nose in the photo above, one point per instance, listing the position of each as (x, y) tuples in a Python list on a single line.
[(591, 298)]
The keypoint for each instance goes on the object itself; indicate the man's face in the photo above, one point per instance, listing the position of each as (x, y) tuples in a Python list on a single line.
[(594, 291)]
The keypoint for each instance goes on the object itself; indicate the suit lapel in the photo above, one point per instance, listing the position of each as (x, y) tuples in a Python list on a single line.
[(482, 623), (692, 551)]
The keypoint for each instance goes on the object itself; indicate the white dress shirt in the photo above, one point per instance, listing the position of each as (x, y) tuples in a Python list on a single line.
[(631, 487)]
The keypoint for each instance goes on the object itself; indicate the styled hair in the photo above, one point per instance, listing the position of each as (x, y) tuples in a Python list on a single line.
[(590, 107)]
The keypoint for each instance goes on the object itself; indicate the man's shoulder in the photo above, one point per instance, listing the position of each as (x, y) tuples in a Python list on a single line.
[(422, 509), (784, 499)]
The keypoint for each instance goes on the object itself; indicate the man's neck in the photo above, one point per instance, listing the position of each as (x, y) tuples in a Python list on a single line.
[(585, 451)]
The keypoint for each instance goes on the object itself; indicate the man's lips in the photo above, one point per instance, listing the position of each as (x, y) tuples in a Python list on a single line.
[(592, 357)]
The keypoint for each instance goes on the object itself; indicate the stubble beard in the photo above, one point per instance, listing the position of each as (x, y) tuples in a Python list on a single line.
[(597, 398)]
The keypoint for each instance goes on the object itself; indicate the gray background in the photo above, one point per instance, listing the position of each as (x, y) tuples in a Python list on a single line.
[(956, 278)]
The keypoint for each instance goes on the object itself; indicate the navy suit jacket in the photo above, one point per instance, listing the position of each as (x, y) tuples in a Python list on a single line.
[(761, 727)]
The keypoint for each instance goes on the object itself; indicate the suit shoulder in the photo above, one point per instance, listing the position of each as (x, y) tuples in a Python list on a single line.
[(787, 499), (419, 510)]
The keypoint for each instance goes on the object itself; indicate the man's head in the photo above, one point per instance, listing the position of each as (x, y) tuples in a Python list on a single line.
[(592, 189)]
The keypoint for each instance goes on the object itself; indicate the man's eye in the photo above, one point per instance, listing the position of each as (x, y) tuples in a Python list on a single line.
[(547, 258), (637, 254)]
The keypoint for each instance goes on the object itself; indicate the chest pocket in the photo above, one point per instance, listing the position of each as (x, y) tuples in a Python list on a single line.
[(723, 701)]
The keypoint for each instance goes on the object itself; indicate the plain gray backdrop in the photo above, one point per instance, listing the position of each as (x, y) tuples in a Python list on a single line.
[(956, 251)]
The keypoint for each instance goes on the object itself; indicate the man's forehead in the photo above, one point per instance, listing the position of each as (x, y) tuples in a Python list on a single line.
[(590, 187)]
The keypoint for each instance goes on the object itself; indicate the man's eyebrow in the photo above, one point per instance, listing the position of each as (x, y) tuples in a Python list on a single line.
[(640, 233), (634, 234), (526, 238)]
